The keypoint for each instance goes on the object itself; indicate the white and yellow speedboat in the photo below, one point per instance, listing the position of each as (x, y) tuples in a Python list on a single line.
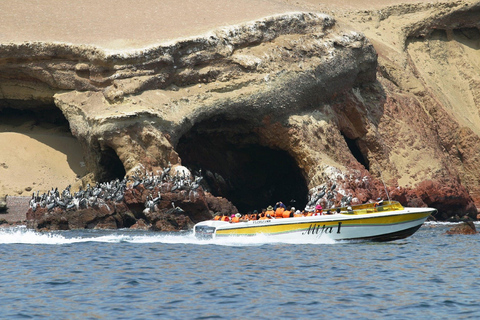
[(385, 222)]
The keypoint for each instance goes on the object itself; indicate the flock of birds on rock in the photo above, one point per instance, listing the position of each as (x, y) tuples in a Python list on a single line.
[(182, 180), (97, 195), (102, 193), (328, 195)]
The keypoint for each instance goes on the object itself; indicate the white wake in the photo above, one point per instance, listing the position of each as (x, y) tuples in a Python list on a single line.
[(22, 235)]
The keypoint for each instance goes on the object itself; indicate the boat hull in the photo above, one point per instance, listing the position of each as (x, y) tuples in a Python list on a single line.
[(381, 226)]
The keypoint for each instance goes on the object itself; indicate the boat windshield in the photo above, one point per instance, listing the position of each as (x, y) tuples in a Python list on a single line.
[(373, 207)]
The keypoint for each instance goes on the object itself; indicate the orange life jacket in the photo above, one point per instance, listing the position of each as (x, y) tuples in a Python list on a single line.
[(279, 212), (270, 212), (235, 219), (253, 216), (225, 218), (309, 214), (286, 213), (217, 218), (298, 215)]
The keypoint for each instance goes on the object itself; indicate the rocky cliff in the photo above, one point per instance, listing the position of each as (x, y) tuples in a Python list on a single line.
[(428, 69), (269, 109)]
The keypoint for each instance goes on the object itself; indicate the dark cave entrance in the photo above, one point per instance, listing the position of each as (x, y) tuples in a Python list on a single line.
[(355, 150), (47, 116), (235, 166), (110, 166)]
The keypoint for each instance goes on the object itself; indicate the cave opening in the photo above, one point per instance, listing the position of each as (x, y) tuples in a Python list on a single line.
[(110, 166), (235, 166), (356, 152), (46, 116)]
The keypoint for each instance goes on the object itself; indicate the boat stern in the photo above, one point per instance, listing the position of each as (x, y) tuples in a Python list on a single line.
[(204, 230)]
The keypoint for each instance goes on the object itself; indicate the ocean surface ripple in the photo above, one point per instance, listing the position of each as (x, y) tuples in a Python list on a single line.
[(128, 274)]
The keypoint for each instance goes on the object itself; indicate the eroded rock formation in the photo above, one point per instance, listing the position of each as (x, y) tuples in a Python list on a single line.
[(273, 106)]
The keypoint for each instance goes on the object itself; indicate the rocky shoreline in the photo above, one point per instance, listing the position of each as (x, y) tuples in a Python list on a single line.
[(172, 201), (175, 200)]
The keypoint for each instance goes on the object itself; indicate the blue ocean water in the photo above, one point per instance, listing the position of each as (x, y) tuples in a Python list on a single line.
[(126, 274)]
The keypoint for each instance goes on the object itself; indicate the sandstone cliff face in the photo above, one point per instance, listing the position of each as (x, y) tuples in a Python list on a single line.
[(301, 87), (428, 70)]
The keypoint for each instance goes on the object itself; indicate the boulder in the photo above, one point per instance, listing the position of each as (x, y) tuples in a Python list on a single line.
[(108, 223), (466, 227), (141, 225)]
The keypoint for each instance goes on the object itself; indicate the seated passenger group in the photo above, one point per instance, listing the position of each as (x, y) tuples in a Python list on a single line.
[(279, 211)]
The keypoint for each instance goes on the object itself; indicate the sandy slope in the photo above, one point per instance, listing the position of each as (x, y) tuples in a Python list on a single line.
[(37, 159), (115, 24)]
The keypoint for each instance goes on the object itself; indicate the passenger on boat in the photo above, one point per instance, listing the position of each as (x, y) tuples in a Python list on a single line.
[(279, 208), (236, 218), (254, 215), (270, 211), (379, 203), (225, 217), (297, 213), (349, 209), (217, 217), (329, 211), (279, 211), (279, 204), (288, 213), (318, 210), (309, 211), (263, 215)]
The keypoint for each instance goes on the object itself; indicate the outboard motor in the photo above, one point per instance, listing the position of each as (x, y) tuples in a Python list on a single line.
[(204, 232)]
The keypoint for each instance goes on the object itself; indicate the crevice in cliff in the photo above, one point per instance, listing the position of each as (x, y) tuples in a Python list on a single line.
[(110, 167), (32, 113), (235, 166), (354, 147), (467, 36)]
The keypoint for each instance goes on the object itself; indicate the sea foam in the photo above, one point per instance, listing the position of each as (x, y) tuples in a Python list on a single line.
[(22, 235)]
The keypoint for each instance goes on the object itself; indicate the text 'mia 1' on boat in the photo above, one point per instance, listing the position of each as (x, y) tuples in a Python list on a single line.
[(384, 221)]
